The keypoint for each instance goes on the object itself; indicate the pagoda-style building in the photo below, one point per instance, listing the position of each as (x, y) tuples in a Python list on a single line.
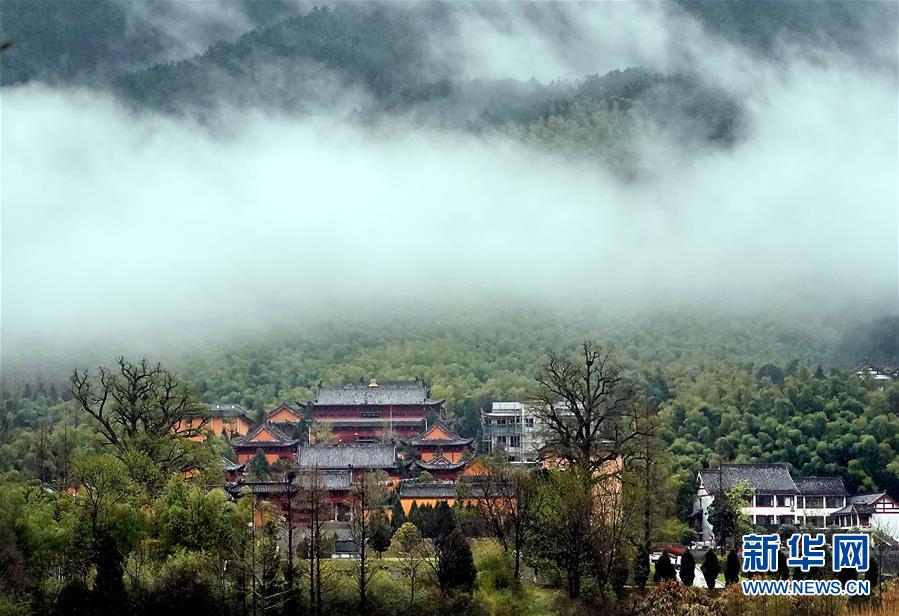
[(441, 452), (288, 419), (271, 440), (440, 441), (376, 411)]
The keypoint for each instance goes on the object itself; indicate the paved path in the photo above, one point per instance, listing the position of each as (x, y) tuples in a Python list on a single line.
[(699, 580)]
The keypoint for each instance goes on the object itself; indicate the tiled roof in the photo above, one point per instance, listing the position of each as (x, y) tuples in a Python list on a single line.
[(368, 421), (383, 394), (287, 407), (764, 478), (417, 489), (820, 486), (453, 440), (283, 439), (440, 463), (345, 456), (228, 465), (867, 498), (854, 508), (228, 410), (329, 481)]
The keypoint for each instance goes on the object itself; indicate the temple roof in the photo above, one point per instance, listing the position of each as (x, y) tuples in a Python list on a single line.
[(346, 456), (418, 489), (439, 435), (230, 466), (368, 421), (226, 410), (284, 414), (764, 478), (329, 481), (820, 486), (440, 463), (280, 439), (375, 393)]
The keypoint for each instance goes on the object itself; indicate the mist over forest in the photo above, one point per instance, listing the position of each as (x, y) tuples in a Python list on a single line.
[(200, 174)]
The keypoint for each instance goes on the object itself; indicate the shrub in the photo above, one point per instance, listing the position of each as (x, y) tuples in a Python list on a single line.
[(687, 568), (494, 566), (710, 568), (618, 576), (664, 569), (732, 568), (641, 568)]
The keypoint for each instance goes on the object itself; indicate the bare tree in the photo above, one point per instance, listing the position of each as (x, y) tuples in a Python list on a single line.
[(586, 407), (139, 406), (592, 426), (504, 496), (314, 501), (413, 551), (369, 493)]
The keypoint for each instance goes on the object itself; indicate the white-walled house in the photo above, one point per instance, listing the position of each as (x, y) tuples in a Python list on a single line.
[(774, 502), (804, 502), (877, 510)]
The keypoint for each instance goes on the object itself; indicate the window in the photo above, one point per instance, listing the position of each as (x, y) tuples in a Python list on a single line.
[(529, 422), (764, 520), (815, 521), (501, 440), (785, 519), (800, 501), (369, 413), (814, 502), (784, 501), (834, 501), (764, 500), (515, 441)]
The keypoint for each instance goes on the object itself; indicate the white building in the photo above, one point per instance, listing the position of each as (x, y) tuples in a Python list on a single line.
[(512, 427), (804, 502), (877, 511)]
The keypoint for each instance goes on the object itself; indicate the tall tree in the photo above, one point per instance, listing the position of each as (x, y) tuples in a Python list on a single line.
[(412, 552), (369, 494), (504, 496), (139, 407)]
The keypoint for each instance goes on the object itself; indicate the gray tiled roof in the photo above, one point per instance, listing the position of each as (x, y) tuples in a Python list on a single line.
[(329, 481), (344, 456), (386, 393), (440, 463), (230, 465), (866, 499), (418, 489), (854, 508), (820, 486), (764, 478)]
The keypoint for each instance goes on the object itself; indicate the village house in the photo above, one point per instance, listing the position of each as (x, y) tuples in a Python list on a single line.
[(374, 411), (804, 502)]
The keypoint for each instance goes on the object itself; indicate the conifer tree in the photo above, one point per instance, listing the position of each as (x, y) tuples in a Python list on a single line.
[(664, 569), (687, 568), (732, 568), (710, 568), (641, 568)]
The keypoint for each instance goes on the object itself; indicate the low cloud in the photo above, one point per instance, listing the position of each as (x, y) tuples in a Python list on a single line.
[(140, 227)]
